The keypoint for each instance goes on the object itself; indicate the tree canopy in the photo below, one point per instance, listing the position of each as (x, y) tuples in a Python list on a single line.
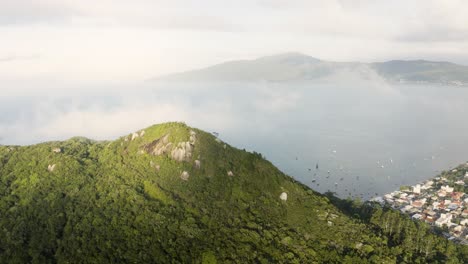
[(126, 201)]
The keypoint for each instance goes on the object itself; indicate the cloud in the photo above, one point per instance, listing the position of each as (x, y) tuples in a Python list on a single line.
[(389, 20), (363, 18), (11, 58), (435, 33), (52, 113), (102, 124), (31, 11), (89, 121), (169, 15), (30, 119), (437, 21), (134, 40), (273, 99), (283, 121)]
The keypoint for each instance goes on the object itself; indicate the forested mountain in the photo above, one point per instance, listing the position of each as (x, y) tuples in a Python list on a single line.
[(175, 194), (299, 67)]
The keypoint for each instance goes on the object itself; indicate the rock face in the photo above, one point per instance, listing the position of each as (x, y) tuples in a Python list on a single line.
[(185, 176), (51, 167), (183, 151), (284, 196), (230, 173), (159, 146), (193, 137), (180, 152), (197, 164), (57, 150)]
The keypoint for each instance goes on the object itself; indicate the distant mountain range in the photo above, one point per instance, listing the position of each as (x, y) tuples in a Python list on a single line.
[(297, 66)]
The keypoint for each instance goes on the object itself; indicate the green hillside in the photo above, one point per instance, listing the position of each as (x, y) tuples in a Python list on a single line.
[(175, 194)]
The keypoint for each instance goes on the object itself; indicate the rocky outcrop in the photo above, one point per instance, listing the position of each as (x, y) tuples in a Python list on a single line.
[(284, 196), (51, 168), (230, 173), (185, 176), (197, 164), (193, 137), (56, 150), (159, 146), (136, 135), (182, 151)]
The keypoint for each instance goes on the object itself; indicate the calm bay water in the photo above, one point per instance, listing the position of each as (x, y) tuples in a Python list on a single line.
[(366, 137)]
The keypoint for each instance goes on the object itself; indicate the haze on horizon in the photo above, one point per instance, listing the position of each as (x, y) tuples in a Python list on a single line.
[(78, 68), (100, 42)]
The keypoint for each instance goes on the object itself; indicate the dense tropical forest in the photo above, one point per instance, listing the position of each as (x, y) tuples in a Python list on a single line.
[(175, 194)]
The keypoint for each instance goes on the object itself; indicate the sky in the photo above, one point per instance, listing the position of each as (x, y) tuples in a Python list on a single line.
[(117, 41), (80, 68)]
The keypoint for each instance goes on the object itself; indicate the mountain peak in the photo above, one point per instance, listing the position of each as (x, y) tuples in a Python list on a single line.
[(290, 58), (177, 194)]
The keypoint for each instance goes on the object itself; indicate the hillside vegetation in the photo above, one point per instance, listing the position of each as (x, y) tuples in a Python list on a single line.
[(175, 194)]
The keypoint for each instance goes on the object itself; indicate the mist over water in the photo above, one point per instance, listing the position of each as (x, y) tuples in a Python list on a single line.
[(366, 136)]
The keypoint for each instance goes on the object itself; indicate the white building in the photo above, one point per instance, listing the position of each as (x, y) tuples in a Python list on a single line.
[(429, 183), (406, 208), (444, 219), (460, 182), (416, 216), (446, 188), (464, 222)]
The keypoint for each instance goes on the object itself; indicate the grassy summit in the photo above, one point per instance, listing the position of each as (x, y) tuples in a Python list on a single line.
[(174, 194)]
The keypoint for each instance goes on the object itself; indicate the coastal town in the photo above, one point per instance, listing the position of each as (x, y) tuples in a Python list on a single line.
[(441, 202)]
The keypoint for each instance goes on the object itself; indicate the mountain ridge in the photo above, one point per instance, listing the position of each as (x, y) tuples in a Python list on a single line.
[(293, 66), (171, 193)]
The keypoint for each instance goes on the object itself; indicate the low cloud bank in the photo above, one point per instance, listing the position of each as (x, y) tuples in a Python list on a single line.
[(350, 126)]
